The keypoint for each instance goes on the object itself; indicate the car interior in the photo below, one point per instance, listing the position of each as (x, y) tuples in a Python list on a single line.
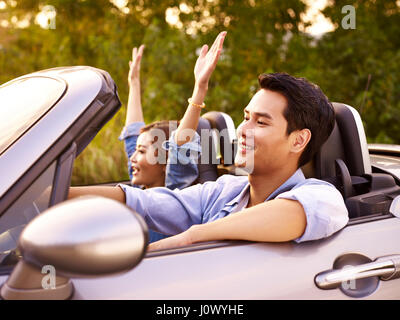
[(343, 161)]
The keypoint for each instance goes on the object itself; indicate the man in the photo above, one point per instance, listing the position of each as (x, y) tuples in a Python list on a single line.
[(284, 124)]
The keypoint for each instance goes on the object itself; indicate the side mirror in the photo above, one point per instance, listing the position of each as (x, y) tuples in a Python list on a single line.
[(395, 207), (84, 237)]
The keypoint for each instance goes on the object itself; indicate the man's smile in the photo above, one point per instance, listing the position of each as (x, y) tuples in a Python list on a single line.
[(244, 147)]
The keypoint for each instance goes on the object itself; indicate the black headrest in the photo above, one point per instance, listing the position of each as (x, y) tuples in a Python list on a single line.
[(346, 142), (225, 132), (207, 161)]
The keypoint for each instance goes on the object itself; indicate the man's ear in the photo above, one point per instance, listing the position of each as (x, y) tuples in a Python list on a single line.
[(300, 139)]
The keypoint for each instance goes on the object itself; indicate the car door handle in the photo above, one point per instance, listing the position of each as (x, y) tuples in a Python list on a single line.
[(386, 268)]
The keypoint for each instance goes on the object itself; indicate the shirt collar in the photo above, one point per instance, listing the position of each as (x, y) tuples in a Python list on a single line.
[(295, 179), (242, 193)]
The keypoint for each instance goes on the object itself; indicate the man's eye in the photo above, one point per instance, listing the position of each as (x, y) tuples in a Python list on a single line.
[(246, 118), (262, 123)]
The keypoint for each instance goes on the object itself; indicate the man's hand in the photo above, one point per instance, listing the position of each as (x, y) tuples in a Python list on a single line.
[(179, 240), (134, 65), (207, 61)]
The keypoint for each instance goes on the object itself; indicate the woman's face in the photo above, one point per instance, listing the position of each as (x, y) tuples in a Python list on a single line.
[(146, 170)]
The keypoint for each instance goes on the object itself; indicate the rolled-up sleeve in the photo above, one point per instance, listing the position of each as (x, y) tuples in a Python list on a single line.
[(324, 207), (130, 130), (129, 135), (182, 169)]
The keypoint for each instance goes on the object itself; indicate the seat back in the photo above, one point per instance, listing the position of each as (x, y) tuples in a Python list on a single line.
[(207, 164), (344, 161), (225, 140), (347, 142), (225, 133)]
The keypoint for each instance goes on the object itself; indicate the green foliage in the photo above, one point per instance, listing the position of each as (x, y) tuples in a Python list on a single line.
[(348, 57), (263, 36)]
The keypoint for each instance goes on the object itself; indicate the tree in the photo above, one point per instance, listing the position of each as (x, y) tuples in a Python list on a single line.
[(263, 36), (347, 58)]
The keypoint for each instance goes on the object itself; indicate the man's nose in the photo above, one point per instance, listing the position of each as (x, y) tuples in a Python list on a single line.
[(245, 129), (133, 157)]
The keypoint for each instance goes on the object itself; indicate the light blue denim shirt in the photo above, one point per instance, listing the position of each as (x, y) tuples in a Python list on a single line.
[(174, 211), (181, 170)]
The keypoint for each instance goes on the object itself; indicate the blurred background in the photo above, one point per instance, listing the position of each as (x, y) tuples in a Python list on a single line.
[(353, 54)]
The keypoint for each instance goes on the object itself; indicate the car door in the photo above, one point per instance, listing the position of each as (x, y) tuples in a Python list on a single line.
[(247, 270)]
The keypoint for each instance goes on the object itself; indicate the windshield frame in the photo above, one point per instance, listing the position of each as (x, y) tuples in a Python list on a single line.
[(46, 105)]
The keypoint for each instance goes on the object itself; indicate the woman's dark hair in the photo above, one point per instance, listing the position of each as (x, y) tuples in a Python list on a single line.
[(166, 126), (307, 107), (163, 125)]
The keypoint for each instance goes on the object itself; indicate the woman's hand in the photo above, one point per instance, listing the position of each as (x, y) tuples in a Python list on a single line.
[(207, 61), (134, 65)]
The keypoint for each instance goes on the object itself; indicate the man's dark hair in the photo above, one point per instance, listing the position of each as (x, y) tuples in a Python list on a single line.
[(307, 107)]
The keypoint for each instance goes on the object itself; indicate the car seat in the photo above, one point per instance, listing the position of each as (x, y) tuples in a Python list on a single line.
[(225, 133), (345, 153), (225, 141), (344, 161), (207, 164)]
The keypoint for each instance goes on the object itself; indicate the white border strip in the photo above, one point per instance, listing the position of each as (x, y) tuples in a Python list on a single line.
[(363, 140)]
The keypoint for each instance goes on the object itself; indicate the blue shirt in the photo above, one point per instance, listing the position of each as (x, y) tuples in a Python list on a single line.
[(181, 170), (174, 211)]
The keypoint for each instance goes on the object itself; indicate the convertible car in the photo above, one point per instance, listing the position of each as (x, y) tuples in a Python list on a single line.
[(96, 248)]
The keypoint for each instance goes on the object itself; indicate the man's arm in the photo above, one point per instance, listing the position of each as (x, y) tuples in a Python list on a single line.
[(272, 221), (115, 193), (312, 210)]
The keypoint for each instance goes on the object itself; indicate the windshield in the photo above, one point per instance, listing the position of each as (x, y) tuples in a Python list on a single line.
[(31, 203), (23, 102)]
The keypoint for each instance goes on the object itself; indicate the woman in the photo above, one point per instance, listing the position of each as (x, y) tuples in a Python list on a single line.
[(153, 161)]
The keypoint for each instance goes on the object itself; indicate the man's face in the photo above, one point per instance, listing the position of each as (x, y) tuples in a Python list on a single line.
[(263, 145)]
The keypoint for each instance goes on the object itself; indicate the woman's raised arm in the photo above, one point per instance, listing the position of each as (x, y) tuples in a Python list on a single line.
[(205, 65), (134, 111)]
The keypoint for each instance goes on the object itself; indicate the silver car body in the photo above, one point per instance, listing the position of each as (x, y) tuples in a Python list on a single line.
[(250, 270), (83, 87), (219, 269)]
